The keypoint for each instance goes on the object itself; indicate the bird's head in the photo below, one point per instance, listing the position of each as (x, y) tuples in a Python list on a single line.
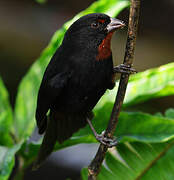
[(93, 31)]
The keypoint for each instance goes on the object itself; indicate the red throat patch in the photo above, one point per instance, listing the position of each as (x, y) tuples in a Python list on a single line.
[(104, 49)]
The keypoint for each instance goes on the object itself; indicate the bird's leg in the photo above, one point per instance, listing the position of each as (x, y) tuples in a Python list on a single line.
[(104, 140), (122, 68)]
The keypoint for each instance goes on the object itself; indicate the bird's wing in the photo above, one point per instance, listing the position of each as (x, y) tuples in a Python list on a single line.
[(49, 90)]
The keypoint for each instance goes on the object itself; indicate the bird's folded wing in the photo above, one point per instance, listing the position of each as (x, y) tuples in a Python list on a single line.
[(48, 92)]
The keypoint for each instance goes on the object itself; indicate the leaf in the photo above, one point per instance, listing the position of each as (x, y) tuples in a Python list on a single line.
[(7, 160), (158, 114), (139, 127), (170, 113), (144, 127), (149, 153), (84, 174), (153, 83), (5, 117), (27, 92), (133, 161), (134, 126)]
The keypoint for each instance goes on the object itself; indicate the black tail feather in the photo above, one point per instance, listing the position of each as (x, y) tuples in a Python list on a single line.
[(47, 145), (67, 124), (60, 127)]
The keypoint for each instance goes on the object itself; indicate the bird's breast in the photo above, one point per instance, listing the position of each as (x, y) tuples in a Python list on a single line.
[(104, 49)]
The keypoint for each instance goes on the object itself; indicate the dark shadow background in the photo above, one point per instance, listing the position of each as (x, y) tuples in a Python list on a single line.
[(25, 30)]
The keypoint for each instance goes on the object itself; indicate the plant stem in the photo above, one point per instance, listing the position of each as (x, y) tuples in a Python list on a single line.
[(94, 167)]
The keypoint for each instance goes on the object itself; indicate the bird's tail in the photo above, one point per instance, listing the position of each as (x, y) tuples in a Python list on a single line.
[(60, 127), (47, 145)]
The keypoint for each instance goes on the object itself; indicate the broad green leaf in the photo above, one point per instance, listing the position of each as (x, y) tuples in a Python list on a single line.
[(28, 88), (148, 151), (7, 160), (139, 127), (134, 126), (140, 161), (134, 161), (5, 116), (153, 83)]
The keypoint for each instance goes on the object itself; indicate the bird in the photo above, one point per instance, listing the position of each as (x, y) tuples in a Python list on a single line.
[(77, 76)]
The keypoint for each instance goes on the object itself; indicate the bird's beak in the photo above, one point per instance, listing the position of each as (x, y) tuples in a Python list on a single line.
[(114, 25)]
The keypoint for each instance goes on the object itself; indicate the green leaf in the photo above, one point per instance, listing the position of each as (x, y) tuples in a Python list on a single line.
[(170, 113), (5, 117), (133, 126), (28, 88), (133, 161), (84, 173), (144, 127), (153, 83), (149, 153), (139, 127), (158, 114), (7, 160)]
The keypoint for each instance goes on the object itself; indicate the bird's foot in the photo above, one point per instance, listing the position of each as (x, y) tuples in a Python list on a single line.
[(101, 138), (126, 69), (106, 141)]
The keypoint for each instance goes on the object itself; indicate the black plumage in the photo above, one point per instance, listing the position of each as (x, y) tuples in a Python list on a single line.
[(77, 76)]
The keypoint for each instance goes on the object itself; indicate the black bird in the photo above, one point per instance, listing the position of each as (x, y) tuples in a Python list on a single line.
[(78, 74)]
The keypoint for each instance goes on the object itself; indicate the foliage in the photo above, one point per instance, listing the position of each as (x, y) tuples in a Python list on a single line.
[(5, 117), (147, 156), (145, 141)]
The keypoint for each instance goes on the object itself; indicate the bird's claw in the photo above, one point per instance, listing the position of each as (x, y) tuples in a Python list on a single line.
[(122, 68), (106, 141), (101, 137)]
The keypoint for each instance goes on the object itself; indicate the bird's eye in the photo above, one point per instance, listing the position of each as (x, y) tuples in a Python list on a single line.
[(95, 25)]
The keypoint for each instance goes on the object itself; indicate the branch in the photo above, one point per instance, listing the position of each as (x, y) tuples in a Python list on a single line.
[(94, 167)]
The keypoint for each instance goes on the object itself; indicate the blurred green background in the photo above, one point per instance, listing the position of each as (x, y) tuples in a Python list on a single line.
[(25, 30)]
